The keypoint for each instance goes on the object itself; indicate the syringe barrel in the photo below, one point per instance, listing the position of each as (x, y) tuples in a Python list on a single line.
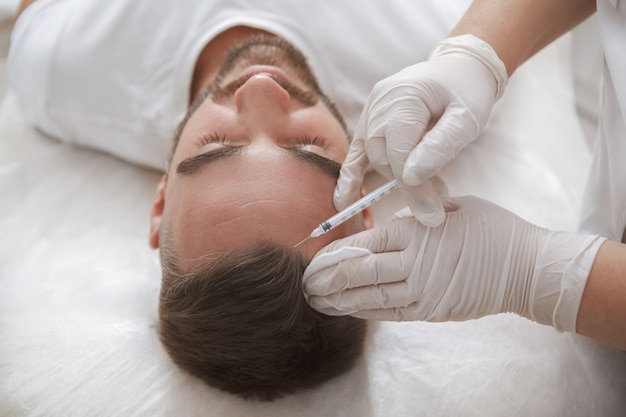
[(358, 206)]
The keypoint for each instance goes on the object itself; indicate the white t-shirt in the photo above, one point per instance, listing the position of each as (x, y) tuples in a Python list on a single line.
[(115, 75), (604, 202)]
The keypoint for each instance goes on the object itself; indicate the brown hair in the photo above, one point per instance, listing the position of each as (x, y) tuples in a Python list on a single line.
[(242, 324)]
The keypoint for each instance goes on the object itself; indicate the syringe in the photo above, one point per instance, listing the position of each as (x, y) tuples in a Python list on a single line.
[(353, 209)]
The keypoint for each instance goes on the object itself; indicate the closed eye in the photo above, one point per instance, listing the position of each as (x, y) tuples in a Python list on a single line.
[(318, 141), (195, 163), (299, 142), (207, 139)]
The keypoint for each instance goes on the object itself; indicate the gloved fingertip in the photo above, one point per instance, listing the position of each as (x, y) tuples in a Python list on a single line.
[(326, 306), (321, 278), (409, 177), (345, 193), (338, 200), (432, 219), (315, 285), (402, 214)]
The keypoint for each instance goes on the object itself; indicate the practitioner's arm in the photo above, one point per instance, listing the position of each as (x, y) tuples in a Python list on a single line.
[(517, 29), (23, 5), (602, 314), (456, 88)]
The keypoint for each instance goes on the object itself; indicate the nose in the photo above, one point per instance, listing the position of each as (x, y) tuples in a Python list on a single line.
[(261, 97)]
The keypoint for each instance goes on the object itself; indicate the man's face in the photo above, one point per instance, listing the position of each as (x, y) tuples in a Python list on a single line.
[(257, 160)]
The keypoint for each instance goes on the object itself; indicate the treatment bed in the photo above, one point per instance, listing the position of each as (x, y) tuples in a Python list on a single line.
[(79, 285)]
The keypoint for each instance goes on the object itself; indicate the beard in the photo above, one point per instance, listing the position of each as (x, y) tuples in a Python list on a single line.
[(266, 50)]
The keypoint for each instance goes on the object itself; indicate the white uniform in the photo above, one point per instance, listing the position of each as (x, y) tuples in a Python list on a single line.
[(115, 75), (604, 204)]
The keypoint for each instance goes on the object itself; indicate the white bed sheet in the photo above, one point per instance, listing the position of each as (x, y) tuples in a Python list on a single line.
[(79, 288)]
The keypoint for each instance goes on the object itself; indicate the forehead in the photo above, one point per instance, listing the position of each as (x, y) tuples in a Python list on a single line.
[(252, 197)]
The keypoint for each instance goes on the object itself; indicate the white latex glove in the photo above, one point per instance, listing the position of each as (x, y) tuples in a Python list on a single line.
[(482, 260), (457, 87)]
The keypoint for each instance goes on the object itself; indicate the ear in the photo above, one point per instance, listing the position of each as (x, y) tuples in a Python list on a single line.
[(368, 216), (157, 213)]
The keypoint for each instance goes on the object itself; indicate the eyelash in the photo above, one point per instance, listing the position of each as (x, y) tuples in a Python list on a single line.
[(312, 140), (213, 138), (300, 141)]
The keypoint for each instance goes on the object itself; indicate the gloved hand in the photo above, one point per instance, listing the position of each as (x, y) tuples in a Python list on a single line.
[(457, 87), (482, 260)]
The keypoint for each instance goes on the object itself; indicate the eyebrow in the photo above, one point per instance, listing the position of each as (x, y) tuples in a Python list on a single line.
[(194, 164)]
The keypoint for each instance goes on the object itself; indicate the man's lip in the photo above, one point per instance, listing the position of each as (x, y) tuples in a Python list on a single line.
[(264, 69)]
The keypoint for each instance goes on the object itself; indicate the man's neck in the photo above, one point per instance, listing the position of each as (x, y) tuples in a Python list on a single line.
[(211, 57)]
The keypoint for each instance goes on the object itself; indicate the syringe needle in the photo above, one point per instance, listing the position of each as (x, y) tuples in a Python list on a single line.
[(302, 241)]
